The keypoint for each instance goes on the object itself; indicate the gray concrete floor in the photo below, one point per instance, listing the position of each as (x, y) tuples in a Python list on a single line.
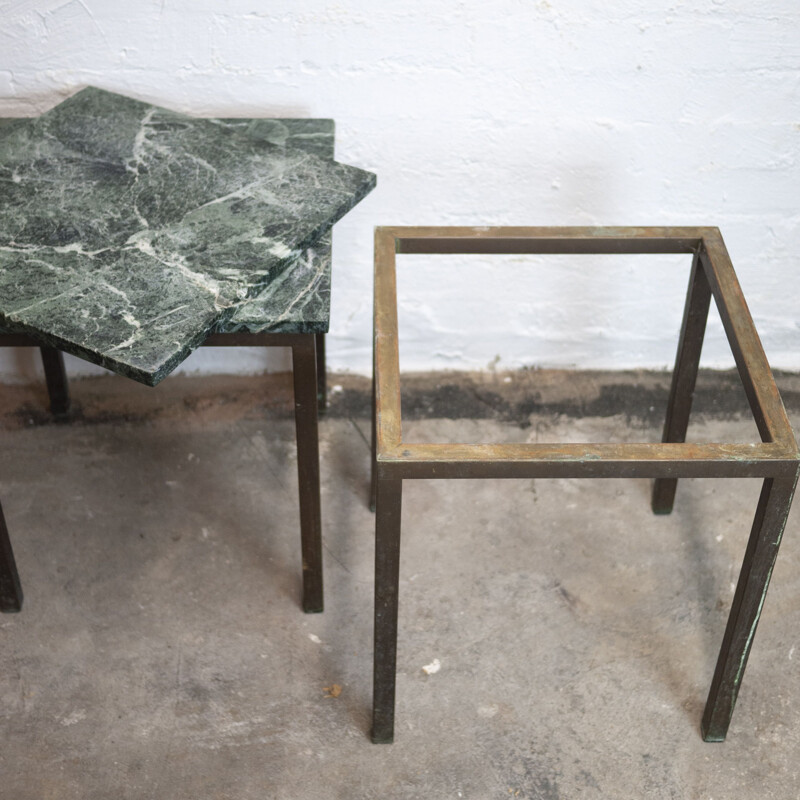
[(162, 652)]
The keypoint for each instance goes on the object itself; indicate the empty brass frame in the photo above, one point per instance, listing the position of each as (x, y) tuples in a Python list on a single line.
[(775, 458)]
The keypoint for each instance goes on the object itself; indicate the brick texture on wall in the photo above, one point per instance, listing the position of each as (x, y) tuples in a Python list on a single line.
[(508, 112)]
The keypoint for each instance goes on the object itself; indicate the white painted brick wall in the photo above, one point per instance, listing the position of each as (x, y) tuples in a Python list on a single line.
[(499, 112)]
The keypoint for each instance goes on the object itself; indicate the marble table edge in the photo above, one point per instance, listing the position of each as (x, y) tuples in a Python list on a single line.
[(249, 320)]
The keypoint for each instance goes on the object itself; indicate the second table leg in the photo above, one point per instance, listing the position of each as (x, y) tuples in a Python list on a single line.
[(10, 588), (304, 364), (387, 586)]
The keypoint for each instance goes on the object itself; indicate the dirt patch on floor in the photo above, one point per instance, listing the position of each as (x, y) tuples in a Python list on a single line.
[(505, 396)]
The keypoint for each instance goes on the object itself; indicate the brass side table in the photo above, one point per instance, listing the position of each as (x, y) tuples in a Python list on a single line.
[(775, 458)]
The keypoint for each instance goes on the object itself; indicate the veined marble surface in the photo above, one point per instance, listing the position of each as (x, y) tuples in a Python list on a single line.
[(128, 233), (297, 301)]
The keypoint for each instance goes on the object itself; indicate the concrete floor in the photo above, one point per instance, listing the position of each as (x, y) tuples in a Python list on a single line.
[(162, 652)]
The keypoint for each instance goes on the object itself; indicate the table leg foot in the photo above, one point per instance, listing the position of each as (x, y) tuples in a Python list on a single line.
[(751, 590), (663, 497)]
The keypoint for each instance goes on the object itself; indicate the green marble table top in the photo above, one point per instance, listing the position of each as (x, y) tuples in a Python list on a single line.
[(129, 233)]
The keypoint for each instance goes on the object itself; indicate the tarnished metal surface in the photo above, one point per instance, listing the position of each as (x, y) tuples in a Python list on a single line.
[(304, 373), (602, 460), (56, 377), (775, 458), (684, 376), (748, 600), (759, 385)]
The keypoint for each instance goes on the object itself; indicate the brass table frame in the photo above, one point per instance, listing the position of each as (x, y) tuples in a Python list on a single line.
[(308, 370), (775, 458)]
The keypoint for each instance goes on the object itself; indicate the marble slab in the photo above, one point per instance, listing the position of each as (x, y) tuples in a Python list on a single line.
[(128, 233), (298, 300)]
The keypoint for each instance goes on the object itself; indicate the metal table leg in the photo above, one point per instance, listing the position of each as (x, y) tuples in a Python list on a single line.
[(387, 583), (751, 590), (304, 361), (56, 377), (684, 376), (10, 589), (322, 378), (373, 474)]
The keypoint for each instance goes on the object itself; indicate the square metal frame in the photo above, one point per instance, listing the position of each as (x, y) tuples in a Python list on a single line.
[(775, 458)]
